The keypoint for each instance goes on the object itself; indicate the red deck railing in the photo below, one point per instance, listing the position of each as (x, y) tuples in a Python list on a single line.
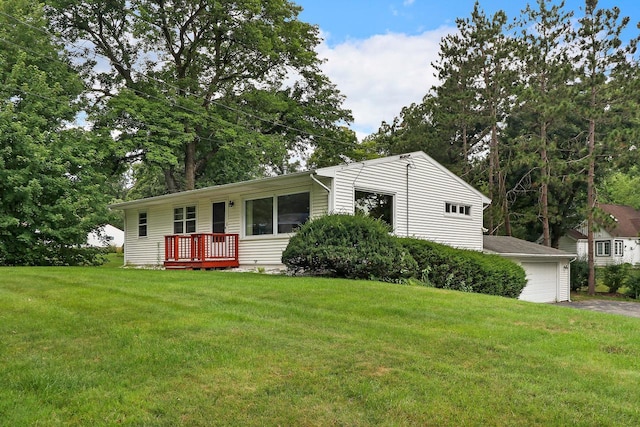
[(201, 250)]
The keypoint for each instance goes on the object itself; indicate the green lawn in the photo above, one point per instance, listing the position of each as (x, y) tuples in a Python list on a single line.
[(95, 346)]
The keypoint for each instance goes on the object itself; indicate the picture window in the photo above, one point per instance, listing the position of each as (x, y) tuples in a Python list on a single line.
[(280, 214), (376, 205)]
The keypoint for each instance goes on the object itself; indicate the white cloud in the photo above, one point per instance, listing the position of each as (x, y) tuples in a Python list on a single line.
[(408, 2), (382, 74)]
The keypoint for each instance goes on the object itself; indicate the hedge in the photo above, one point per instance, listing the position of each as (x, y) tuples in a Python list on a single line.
[(464, 270)]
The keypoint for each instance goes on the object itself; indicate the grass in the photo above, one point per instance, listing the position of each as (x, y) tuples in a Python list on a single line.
[(113, 260), (95, 346)]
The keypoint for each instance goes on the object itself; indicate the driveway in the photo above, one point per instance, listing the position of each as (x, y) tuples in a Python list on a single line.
[(631, 309)]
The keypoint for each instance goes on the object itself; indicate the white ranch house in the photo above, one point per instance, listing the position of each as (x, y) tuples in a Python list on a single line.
[(248, 224)]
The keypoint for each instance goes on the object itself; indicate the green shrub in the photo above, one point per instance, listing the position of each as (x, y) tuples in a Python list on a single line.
[(354, 247), (466, 270), (614, 276), (579, 274), (633, 283)]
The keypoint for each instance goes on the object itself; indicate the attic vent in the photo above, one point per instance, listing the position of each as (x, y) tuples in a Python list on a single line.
[(613, 218)]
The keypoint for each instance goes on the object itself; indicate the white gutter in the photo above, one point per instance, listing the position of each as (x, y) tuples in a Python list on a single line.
[(328, 190)]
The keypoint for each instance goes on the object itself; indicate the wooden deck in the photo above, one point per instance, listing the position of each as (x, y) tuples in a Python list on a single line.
[(200, 251)]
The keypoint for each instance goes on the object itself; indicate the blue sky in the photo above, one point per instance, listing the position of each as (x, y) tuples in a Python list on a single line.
[(379, 52)]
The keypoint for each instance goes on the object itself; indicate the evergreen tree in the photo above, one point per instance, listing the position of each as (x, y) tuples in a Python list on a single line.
[(544, 105), (604, 84)]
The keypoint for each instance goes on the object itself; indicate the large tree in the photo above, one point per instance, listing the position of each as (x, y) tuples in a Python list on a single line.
[(541, 121), (52, 181), (606, 81), (203, 91)]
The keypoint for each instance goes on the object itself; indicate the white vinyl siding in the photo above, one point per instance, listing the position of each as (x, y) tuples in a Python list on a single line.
[(429, 188), (564, 280), (320, 198)]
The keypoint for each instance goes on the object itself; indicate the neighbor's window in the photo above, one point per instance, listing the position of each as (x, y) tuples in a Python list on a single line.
[(184, 220), (457, 209), (293, 211), (142, 224), (603, 248), (618, 248), (289, 210), (376, 205)]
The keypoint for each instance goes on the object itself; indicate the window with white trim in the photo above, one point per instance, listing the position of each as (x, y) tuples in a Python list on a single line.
[(276, 215), (184, 220), (142, 224), (603, 248), (618, 248), (457, 209), (376, 205)]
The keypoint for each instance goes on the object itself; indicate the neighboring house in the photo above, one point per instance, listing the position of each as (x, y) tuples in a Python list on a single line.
[(616, 241), (547, 269), (249, 223), (107, 235)]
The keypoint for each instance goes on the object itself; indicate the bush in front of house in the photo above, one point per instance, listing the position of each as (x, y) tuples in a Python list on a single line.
[(614, 276), (445, 267), (579, 274), (349, 246), (633, 283)]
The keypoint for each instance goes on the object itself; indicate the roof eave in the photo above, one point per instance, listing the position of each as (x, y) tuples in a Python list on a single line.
[(534, 256)]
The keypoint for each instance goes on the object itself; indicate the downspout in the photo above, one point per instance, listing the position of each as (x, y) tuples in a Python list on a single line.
[(317, 181), (408, 219), (409, 166), (569, 274)]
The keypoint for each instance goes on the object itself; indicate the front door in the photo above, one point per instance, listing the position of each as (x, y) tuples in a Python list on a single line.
[(219, 217)]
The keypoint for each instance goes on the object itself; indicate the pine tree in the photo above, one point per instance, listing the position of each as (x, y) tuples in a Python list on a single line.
[(603, 66)]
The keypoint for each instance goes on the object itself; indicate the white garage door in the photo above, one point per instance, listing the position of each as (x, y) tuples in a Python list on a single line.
[(542, 282)]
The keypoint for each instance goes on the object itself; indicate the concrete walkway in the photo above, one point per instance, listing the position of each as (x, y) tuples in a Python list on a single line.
[(631, 309)]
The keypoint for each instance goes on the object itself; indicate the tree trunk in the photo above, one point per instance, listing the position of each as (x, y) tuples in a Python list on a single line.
[(544, 188), (190, 166), (493, 167), (591, 207), (170, 181)]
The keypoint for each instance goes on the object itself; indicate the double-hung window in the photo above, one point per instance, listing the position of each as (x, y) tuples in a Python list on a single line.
[(276, 215), (184, 220), (603, 248), (618, 248), (142, 224)]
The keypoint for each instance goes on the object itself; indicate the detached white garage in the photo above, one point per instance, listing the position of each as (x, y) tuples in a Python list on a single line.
[(547, 269)]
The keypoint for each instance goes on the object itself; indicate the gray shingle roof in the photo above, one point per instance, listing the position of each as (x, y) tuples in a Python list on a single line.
[(513, 246)]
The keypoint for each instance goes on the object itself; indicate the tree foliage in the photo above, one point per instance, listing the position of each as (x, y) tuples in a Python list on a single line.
[(52, 177), (206, 92)]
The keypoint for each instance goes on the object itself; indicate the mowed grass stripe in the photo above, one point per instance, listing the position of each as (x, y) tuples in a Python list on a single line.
[(110, 346)]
